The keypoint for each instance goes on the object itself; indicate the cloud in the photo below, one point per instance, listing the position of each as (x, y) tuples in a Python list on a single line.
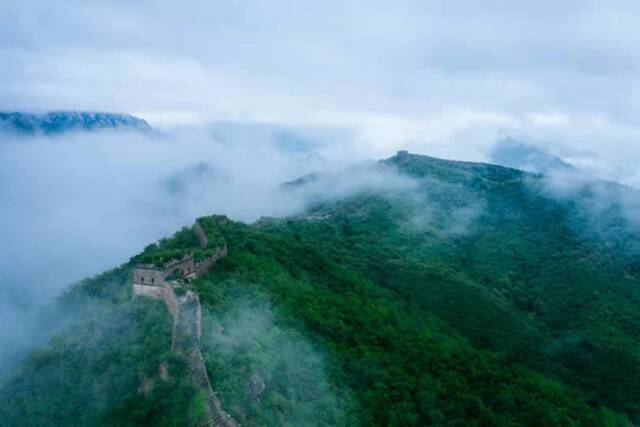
[(442, 209), (335, 184), (266, 361), (100, 197), (76, 204), (601, 200), (437, 77)]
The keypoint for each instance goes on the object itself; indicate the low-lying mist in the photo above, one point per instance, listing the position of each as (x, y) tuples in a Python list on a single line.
[(269, 372), (76, 204), (79, 203), (609, 202)]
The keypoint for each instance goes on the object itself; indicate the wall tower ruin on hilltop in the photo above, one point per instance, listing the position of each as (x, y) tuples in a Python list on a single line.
[(186, 267)]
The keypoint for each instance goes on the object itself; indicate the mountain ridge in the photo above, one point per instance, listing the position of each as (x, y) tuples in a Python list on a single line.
[(470, 297), (58, 122), (525, 156)]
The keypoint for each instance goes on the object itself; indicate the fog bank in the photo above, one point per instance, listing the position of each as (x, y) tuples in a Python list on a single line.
[(80, 203)]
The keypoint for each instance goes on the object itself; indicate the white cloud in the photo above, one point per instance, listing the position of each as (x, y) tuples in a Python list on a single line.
[(434, 77)]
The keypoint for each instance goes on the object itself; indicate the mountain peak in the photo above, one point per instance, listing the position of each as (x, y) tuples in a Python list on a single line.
[(525, 156), (56, 122)]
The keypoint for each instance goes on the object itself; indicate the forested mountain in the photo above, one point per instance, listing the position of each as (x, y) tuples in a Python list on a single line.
[(460, 294), (57, 122)]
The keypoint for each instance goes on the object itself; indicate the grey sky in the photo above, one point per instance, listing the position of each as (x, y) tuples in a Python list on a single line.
[(434, 76)]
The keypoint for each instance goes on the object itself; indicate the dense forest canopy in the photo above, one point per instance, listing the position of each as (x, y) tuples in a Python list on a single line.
[(473, 296)]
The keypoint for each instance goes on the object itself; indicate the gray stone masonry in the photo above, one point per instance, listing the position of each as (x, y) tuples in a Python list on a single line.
[(151, 282)]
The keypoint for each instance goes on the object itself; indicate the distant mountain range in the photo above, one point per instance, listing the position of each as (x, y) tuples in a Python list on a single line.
[(57, 122), (528, 157)]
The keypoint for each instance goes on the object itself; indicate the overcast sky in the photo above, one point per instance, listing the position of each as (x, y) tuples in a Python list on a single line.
[(441, 77)]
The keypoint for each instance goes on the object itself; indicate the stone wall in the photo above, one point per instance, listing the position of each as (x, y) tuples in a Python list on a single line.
[(144, 275), (148, 274), (187, 330), (186, 266), (202, 236), (162, 292), (186, 340), (150, 282), (203, 266)]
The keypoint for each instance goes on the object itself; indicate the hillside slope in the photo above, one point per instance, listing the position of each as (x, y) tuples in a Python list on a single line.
[(470, 297)]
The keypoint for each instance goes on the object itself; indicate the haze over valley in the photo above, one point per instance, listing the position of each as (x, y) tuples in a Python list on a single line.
[(336, 214)]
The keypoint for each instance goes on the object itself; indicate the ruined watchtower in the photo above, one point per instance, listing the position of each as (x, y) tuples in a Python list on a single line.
[(151, 274), (167, 282), (185, 267)]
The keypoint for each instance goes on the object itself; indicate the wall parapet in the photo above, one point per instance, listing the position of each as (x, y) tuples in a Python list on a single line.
[(202, 236), (205, 265), (162, 292), (152, 282)]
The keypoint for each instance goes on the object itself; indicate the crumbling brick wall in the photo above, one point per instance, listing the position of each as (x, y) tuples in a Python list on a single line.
[(185, 266), (202, 236), (162, 292), (148, 275), (203, 266)]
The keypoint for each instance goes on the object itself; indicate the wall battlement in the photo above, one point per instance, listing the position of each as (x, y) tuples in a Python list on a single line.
[(203, 267), (155, 282), (188, 267), (162, 292), (202, 236), (149, 274)]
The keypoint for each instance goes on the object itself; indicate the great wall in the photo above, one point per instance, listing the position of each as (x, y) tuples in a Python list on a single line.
[(162, 283)]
